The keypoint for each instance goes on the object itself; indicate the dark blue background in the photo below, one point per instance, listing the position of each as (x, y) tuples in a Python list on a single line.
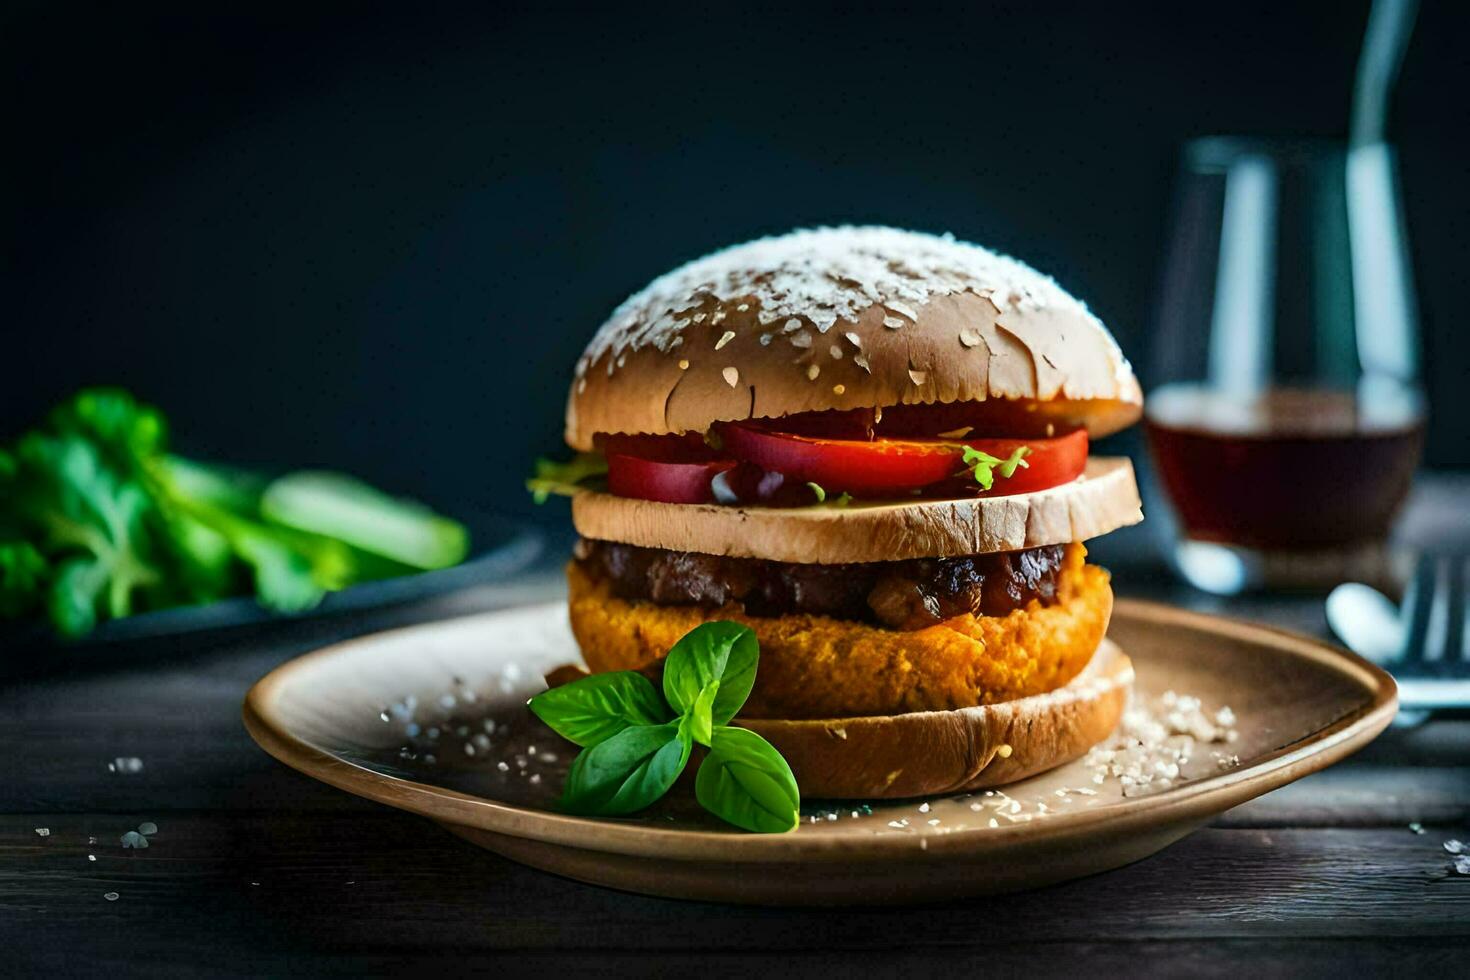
[(376, 238)]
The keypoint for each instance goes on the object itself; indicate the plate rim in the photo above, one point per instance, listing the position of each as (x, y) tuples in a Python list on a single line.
[(1198, 799)]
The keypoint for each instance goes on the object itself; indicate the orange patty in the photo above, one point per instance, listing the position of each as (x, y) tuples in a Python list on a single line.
[(819, 667)]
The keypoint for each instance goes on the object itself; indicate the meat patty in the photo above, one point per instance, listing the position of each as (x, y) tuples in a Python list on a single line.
[(902, 595)]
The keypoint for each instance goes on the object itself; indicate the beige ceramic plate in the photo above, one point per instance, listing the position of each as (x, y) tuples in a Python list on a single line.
[(431, 719)]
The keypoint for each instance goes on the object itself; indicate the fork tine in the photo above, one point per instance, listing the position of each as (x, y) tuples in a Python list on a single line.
[(1440, 635), (1461, 604), (1417, 600)]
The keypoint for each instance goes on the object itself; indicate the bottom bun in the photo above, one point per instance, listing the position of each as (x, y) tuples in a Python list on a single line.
[(935, 752)]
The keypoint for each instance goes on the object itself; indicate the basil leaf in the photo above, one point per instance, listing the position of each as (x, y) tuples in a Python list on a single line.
[(746, 782), (627, 772), (719, 651), (701, 716), (593, 709)]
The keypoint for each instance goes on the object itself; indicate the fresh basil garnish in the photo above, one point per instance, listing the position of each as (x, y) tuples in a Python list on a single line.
[(635, 745), (722, 653), (745, 781), (627, 772), (598, 707)]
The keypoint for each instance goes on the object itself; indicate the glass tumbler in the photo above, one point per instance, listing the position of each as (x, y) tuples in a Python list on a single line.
[(1286, 419)]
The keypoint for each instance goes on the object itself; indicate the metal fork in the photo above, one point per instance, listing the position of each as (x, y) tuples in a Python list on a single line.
[(1426, 643)]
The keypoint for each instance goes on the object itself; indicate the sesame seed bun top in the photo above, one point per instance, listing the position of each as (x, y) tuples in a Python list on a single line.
[(843, 318)]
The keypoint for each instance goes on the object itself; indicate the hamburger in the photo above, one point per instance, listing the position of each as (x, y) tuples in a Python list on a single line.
[(871, 447)]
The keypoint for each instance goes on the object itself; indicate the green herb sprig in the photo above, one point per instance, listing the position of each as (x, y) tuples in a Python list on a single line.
[(565, 479), (637, 740), (985, 466), (100, 520)]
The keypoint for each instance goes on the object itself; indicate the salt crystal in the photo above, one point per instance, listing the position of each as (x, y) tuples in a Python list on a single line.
[(111, 896), (1416, 827), (923, 808), (994, 822), (43, 831), (147, 827), (131, 765), (134, 839), (1462, 864), (1454, 847), (503, 766), (91, 857)]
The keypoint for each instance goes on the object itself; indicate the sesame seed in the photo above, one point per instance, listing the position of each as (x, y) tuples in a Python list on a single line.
[(699, 318), (892, 322), (812, 371), (903, 308), (802, 340), (742, 307), (732, 376), (725, 338), (836, 352), (581, 386), (1004, 751), (683, 365), (969, 337), (716, 317), (853, 339), (862, 362), (918, 377), (839, 389), (791, 326)]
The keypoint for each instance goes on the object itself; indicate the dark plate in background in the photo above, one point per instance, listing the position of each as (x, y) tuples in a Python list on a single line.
[(499, 547)]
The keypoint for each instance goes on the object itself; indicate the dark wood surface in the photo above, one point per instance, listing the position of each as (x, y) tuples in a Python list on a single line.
[(258, 870)]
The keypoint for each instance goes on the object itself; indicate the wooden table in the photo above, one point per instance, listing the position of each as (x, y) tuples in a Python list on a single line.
[(256, 869)]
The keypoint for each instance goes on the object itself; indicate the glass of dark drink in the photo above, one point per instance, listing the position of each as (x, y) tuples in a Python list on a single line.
[(1286, 420)]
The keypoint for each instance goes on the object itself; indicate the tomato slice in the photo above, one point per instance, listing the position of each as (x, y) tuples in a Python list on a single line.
[(668, 469), (893, 466), (669, 483)]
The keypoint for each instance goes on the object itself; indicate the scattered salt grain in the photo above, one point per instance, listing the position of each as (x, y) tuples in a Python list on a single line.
[(43, 831), (1156, 739), (91, 857), (503, 766), (111, 896), (147, 827), (134, 839), (923, 808), (129, 765), (1462, 864), (1416, 827), (1454, 847)]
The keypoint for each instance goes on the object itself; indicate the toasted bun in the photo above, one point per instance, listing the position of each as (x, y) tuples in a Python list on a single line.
[(1103, 499), (843, 318), (820, 667), (936, 752)]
